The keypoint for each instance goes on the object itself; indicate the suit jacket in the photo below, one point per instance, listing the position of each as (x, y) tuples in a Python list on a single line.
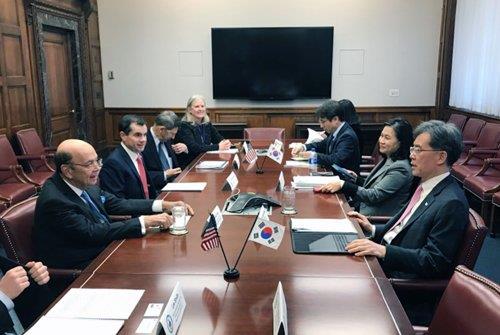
[(429, 242), (120, 177), (386, 189), (197, 143), (342, 150), (67, 234), (152, 161)]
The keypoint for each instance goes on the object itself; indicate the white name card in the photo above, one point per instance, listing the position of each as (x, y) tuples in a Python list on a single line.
[(280, 324), (172, 315), (231, 182)]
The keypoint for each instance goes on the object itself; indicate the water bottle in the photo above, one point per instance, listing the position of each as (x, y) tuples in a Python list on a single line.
[(313, 160)]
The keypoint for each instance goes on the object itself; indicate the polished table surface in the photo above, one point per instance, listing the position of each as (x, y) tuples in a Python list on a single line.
[(324, 293)]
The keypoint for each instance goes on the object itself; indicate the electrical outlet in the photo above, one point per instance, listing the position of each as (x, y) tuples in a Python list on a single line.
[(394, 92)]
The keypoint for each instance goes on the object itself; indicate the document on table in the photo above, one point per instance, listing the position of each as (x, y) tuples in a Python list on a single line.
[(323, 225), (228, 151), (97, 303), (217, 165), (312, 181), (64, 326), (296, 164), (200, 186)]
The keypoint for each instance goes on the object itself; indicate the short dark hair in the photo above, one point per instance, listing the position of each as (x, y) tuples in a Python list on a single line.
[(60, 158), (350, 115), (126, 121), (168, 119), (404, 134), (444, 136), (330, 109)]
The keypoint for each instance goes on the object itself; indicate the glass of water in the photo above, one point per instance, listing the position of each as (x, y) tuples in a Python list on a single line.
[(288, 200), (179, 216)]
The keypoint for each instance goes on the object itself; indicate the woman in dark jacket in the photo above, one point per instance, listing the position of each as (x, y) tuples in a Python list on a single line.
[(197, 132)]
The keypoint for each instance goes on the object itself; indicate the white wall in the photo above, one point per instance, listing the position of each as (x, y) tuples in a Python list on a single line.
[(160, 50)]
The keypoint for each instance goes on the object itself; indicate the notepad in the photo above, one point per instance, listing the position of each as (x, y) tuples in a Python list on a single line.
[(212, 165), (296, 164), (312, 181), (196, 186), (64, 326)]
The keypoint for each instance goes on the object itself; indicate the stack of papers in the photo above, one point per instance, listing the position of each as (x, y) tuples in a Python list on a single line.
[(213, 165), (185, 186), (323, 225), (312, 181), (228, 151), (304, 164), (314, 136)]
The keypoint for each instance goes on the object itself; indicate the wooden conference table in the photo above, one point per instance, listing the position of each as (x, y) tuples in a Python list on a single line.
[(325, 294)]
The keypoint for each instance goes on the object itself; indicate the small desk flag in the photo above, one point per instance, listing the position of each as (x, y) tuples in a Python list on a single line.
[(267, 233), (209, 236)]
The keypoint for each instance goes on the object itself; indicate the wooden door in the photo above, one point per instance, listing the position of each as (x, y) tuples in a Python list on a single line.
[(60, 85)]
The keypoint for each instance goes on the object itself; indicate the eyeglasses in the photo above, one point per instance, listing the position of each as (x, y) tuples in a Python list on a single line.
[(418, 150), (90, 163)]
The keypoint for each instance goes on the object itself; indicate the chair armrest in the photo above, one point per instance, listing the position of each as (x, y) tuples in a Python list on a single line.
[(421, 330), (46, 162), (30, 157), (379, 219), (50, 149), (419, 285), (366, 167), (488, 162), (17, 172), (478, 152), (471, 143)]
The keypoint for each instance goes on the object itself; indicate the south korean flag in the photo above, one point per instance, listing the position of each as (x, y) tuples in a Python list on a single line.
[(267, 233)]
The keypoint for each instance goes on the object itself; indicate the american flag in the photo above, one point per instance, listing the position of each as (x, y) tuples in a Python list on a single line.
[(209, 236), (251, 154)]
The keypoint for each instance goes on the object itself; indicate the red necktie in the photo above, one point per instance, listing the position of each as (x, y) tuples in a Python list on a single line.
[(142, 175)]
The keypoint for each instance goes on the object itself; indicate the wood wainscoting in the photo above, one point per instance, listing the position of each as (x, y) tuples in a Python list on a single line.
[(372, 119)]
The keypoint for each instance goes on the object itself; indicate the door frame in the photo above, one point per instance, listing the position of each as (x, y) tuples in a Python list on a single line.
[(72, 24)]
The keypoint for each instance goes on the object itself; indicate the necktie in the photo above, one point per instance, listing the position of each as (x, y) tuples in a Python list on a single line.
[(93, 207), (163, 157), (142, 175), (398, 226)]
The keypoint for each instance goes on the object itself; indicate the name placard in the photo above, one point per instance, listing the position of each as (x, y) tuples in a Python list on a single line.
[(172, 315), (280, 324), (231, 182)]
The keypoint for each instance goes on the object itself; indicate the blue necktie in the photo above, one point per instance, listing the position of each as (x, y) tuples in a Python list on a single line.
[(93, 207), (163, 157)]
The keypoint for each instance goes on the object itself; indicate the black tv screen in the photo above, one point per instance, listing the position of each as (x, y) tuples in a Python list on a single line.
[(272, 63)]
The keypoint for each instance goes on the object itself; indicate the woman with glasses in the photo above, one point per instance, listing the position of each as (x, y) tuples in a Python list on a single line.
[(386, 189), (197, 132)]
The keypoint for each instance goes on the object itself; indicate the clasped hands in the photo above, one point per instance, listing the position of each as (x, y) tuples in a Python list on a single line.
[(16, 280), (363, 246), (164, 220)]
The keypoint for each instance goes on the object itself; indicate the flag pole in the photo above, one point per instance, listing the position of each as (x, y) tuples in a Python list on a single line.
[(228, 273), (244, 244), (259, 169)]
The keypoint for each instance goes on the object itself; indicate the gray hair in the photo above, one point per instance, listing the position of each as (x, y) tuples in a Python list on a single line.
[(444, 136), (167, 119), (188, 117)]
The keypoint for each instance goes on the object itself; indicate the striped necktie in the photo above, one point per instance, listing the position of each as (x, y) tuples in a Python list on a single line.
[(163, 157)]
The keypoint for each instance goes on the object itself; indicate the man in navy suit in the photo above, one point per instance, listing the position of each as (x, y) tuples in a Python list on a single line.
[(422, 240), (124, 173), (160, 155), (340, 147)]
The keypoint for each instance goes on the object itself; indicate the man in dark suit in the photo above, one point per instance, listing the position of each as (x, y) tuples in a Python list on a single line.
[(340, 146), (72, 225), (422, 240), (160, 155), (15, 286), (124, 173)]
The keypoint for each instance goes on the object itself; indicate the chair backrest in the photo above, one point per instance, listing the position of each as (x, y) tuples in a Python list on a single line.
[(31, 144), (261, 134), (16, 226), (458, 120), (470, 305), (473, 240), (472, 129), (8, 157), (489, 137)]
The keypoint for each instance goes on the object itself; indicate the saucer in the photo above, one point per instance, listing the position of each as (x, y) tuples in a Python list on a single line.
[(177, 232)]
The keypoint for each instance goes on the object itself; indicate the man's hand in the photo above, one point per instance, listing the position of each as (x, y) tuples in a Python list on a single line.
[(179, 148), (361, 220), (297, 148), (173, 172), (224, 145), (38, 272), (162, 220), (332, 187), (167, 206), (365, 247), (14, 282)]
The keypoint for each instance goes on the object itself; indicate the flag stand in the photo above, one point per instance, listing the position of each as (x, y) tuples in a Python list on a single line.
[(228, 273), (243, 248), (259, 169)]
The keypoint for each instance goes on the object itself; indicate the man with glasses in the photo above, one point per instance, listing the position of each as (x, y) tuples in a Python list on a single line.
[(422, 240), (340, 147), (160, 155), (72, 223)]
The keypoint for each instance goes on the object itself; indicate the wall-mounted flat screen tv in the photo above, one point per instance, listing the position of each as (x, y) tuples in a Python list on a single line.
[(272, 63)]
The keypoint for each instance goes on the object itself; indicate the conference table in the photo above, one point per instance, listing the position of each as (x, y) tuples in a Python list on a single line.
[(325, 294)]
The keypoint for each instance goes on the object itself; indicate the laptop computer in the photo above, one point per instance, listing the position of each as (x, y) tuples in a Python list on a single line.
[(309, 242)]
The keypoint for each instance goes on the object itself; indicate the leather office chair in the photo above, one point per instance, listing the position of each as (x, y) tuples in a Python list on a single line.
[(495, 210), (15, 235), (10, 160), (458, 120), (470, 305), (482, 186), (369, 162), (31, 146), (470, 133), (264, 134)]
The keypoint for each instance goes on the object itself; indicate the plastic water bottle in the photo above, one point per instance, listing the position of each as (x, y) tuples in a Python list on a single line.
[(313, 160)]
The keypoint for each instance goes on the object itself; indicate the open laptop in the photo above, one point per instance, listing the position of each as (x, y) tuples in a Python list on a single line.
[(310, 242)]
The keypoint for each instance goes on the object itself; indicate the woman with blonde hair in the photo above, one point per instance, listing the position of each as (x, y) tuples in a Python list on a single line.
[(197, 132)]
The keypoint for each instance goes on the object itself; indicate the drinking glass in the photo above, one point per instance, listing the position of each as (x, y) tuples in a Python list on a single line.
[(179, 216), (288, 200)]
